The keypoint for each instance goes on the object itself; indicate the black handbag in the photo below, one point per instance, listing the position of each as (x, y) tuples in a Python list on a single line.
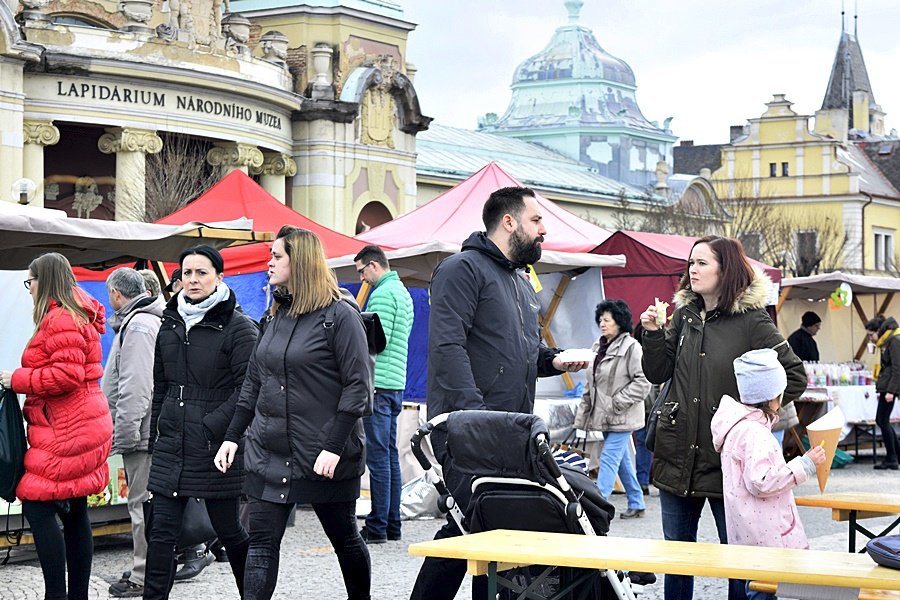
[(12, 444), (655, 411), (196, 527)]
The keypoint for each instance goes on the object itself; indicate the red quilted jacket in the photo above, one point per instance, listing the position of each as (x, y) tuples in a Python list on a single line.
[(69, 426)]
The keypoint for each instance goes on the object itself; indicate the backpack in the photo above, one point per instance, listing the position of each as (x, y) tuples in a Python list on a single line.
[(375, 338)]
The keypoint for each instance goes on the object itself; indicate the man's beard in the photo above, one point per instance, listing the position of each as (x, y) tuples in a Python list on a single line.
[(523, 251)]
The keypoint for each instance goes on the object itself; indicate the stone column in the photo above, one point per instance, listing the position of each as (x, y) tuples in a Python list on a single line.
[(233, 155), (131, 147), (37, 135), (275, 167)]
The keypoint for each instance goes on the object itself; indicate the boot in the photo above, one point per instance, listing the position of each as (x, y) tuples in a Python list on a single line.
[(196, 559)]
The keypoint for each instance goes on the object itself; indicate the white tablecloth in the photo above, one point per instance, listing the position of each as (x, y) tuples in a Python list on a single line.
[(858, 402)]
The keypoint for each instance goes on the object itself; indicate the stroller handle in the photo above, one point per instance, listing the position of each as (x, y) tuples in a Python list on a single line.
[(416, 441)]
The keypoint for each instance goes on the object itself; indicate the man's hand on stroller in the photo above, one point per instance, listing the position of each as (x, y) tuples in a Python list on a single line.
[(326, 463)]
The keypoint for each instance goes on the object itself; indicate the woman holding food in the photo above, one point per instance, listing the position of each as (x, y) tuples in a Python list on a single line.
[(613, 401), (720, 313)]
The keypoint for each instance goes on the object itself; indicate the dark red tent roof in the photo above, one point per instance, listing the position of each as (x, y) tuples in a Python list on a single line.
[(455, 214), (655, 263), (236, 195)]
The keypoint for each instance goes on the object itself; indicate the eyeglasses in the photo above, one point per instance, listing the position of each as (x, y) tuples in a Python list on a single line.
[(360, 271), (28, 281)]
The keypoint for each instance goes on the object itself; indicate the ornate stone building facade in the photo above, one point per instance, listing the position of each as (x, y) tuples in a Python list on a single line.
[(314, 102)]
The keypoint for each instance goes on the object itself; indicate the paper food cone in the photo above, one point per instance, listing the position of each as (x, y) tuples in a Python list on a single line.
[(826, 431)]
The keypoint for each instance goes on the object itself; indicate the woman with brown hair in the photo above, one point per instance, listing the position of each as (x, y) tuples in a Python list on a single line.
[(69, 427), (885, 334), (720, 313), (306, 390)]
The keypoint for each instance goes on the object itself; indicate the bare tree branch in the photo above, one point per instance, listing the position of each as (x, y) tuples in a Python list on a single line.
[(177, 175)]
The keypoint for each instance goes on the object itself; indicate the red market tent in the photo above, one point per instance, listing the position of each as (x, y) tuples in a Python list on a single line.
[(656, 262), (455, 214), (237, 195)]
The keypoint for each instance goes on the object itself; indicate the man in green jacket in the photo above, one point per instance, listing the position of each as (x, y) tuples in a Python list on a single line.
[(394, 306)]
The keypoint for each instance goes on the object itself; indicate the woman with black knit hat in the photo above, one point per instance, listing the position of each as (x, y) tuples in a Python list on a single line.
[(202, 350)]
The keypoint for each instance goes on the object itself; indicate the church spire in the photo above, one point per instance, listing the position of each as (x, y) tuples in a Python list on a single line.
[(848, 74)]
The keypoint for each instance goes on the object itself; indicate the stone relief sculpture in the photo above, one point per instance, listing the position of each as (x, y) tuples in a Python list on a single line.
[(87, 197)]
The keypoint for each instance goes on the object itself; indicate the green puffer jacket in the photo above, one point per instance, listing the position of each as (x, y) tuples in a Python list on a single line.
[(395, 309), (685, 462)]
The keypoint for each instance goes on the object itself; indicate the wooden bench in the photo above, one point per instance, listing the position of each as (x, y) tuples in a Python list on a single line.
[(492, 551), (852, 506), (771, 588)]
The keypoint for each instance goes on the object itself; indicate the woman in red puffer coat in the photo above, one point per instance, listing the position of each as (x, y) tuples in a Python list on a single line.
[(69, 426)]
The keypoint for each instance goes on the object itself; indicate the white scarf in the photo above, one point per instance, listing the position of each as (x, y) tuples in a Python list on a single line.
[(194, 313)]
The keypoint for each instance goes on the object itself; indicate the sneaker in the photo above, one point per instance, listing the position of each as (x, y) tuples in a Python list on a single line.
[(126, 589), (364, 534), (393, 537), (633, 513), (645, 489)]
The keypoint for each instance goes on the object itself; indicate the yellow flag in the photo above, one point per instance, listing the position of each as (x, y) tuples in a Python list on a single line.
[(533, 278)]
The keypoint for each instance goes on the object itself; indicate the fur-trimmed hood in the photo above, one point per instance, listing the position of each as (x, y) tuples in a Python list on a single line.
[(754, 297)]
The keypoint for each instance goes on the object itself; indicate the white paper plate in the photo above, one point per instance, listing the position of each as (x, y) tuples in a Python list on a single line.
[(576, 355)]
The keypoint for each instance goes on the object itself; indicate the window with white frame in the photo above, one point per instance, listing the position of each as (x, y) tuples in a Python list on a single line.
[(884, 249), (807, 252)]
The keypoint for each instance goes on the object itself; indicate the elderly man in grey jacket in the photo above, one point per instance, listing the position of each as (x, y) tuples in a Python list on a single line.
[(128, 385)]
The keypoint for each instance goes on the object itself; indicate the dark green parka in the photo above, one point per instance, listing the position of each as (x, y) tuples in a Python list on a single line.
[(685, 462)]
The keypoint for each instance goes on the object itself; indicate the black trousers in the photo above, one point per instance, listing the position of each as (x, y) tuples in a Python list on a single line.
[(440, 578), (59, 552), (165, 527), (267, 523), (883, 420)]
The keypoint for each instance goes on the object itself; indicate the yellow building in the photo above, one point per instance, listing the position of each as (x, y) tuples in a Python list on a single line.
[(807, 200), (94, 92)]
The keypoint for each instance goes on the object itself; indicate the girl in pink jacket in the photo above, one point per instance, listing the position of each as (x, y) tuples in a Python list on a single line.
[(756, 481)]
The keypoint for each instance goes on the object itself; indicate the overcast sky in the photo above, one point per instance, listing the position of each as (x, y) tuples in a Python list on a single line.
[(707, 63)]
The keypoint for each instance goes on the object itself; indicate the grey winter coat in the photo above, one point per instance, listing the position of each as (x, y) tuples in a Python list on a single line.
[(685, 462), (614, 396), (128, 376)]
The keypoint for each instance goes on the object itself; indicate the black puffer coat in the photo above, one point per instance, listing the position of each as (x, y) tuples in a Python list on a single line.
[(303, 395), (685, 462), (197, 379)]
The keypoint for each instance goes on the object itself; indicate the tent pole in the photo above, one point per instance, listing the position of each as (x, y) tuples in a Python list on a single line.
[(781, 298), (363, 294), (865, 319), (163, 277), (548, 317)]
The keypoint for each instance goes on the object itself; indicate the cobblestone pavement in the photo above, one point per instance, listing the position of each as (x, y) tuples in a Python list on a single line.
[(309, 568)]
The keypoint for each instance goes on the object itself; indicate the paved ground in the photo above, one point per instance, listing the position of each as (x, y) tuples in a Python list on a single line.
[(309, 568)]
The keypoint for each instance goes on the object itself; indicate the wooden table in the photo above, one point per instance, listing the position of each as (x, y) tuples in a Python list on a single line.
[(493, 551), (852, 506)]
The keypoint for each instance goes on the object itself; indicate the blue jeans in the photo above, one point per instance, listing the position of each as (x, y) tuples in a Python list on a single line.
[(680, 518), (383, 462), (643, 457), (615, 459)]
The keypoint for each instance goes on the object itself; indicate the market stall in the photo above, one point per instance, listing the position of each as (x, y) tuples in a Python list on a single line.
[(26, 233)]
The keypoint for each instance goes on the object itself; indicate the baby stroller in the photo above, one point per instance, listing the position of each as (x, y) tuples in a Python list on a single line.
[(500, 473)]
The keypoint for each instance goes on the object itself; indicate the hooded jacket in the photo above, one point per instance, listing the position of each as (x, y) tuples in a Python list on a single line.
[(685, 462), (615, 392), (197, 379), (889, 374), (128, 377), (484, 343), (69, 427), (757, 483)]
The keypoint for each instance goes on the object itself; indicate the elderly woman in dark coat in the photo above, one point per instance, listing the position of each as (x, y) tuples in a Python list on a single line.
[(202, 350), (306, 390)]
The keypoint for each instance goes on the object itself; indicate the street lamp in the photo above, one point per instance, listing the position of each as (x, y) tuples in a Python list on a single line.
[(23, 190)]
